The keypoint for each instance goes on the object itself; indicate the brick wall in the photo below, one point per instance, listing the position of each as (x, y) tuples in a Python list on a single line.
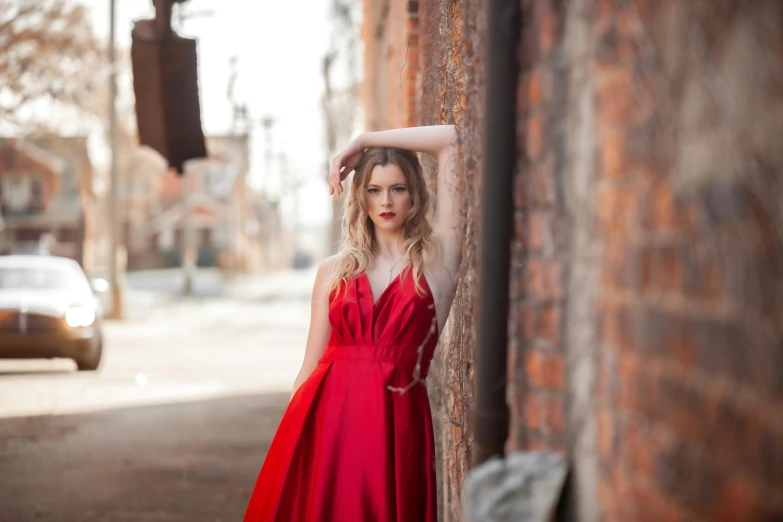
[(687, 98), (647, 270), (537, 356), (391, 63)]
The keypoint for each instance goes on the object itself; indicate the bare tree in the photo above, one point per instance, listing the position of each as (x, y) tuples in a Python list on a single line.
[(341, 84), (49, 58)]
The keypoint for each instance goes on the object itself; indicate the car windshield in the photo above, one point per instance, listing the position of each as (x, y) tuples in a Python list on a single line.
[(40, 278)]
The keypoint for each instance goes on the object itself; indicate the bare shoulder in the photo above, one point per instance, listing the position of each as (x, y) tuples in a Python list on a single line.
[(326, 268), (324, 274), (327, 265)]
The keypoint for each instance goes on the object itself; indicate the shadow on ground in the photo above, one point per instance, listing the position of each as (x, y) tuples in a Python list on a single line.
[(194, 462)]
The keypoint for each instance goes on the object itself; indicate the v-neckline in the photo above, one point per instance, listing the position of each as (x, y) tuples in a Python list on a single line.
[(369, 285)]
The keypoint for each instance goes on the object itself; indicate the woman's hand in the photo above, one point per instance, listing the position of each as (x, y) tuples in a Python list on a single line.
[(343, 164)]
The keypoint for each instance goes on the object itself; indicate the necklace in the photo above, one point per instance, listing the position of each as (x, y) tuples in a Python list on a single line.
[(391, 267)]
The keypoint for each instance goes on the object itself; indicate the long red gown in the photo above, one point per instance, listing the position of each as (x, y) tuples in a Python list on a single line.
[(348, 448)]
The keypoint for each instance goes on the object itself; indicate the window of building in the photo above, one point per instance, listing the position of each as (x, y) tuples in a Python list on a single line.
[(17, 194)]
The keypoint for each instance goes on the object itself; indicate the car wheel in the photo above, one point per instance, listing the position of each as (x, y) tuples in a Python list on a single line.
[(91, 361)]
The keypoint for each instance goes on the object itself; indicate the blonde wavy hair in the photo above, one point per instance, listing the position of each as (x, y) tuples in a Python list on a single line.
[(358, 231)]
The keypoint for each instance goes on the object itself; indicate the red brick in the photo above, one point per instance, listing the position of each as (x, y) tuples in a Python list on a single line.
[(607, 499), (540, 230), (529, 91), (521, 228), (622, 487), (609, 330), (606, 376), (639, 448), (680, 345), (410, 88), (653, 506), (521, 182), (549, 32), (534, 88), (541, 184), (547, 75), (533, 138), (606, 434), (644, 262), (529, 51), (686, 408), (604, 11), (628, 23), (544, 279), (668, 268), (629, 376), (412, 60), (554, 413), (661, 214), (534, 416), (545, 370), (529, 315), (627, 50), (537, 443), (613, 264), (611, 155), (413, 23), (617, 209), (739, 500), (550, 323), (648, 391), (615, 97)]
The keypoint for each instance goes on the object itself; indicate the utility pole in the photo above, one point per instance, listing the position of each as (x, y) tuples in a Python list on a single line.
[(268, 219), (114, 207), (189, 249), (290, 189)]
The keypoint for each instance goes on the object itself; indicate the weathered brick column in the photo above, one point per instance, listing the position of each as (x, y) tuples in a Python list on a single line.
[(688, 186), (537, 352)]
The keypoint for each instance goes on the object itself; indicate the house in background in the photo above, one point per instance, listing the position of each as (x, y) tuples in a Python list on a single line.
[(46, 196), (141, 177), (214, 195)]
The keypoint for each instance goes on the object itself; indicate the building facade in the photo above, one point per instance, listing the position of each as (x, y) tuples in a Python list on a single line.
[(46, 196), (646, 344)]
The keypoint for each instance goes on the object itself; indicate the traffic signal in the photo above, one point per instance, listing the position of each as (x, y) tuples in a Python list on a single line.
[(165, 82)]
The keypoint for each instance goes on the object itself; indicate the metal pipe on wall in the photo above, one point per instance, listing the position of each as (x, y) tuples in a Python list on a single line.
[(491, 417)]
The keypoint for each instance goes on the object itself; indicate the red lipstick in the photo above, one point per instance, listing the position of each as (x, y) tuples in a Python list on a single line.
[(388, 215)]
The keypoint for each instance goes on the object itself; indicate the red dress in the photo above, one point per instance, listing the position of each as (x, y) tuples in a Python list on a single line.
[(348, 448)]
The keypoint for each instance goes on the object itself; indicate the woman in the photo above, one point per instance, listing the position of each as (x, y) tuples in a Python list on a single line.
[(356, 443)]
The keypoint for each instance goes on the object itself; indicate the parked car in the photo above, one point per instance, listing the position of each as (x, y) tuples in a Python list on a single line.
[(301, 260), (48, 309)]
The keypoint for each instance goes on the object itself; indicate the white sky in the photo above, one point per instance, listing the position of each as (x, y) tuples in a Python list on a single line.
[(279, 45)]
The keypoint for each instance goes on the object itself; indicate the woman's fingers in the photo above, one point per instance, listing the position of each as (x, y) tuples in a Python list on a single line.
[(334, 175), (342, 165)]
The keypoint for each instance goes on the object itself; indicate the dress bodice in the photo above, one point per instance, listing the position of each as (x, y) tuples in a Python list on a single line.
[(394, 327)]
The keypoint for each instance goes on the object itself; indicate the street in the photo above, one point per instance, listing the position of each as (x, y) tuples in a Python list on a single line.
[(175, 423)]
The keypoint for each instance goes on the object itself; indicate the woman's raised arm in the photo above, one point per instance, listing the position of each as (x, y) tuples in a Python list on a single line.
[(435, 139), (438, 140)]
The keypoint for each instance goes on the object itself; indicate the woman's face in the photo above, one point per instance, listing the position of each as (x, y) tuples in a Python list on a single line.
[(388, 197)]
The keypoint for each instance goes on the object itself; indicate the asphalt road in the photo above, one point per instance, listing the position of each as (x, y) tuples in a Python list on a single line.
[(175, 423), (194, 462)]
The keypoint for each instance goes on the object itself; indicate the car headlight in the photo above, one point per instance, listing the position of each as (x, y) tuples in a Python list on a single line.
[(79, 316)]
